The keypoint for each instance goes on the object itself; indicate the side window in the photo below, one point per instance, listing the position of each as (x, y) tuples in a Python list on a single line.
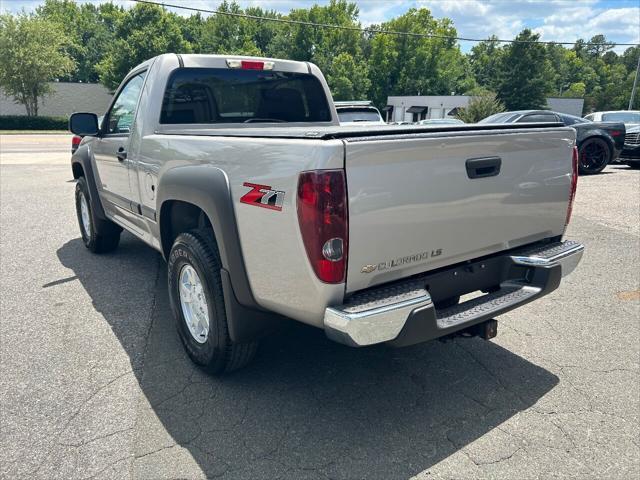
[(121, 115), (538, 118)]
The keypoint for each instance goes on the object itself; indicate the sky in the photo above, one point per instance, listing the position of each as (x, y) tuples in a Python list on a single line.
[(557, 20)]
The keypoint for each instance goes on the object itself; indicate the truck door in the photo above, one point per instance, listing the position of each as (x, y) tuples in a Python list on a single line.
[(110, 149)]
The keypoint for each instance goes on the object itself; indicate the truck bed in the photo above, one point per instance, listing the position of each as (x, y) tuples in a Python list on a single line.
[(347, 132)]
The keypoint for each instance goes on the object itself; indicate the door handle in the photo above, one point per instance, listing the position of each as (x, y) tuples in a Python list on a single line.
[(483, 167), (121, 154)]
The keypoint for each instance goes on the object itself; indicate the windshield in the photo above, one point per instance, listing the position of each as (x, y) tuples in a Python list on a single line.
[(220, 95), (625, 117), (358, 114)]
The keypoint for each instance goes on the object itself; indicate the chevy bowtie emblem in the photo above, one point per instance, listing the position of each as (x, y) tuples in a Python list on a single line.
[(368, 268)]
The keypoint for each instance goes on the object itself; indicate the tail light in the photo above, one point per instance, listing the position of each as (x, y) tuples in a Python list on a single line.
[(75, 142), (574, 184), (322, 215)]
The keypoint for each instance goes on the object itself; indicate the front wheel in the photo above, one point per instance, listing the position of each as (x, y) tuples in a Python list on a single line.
[(594, 155), (197, 301), (98, 236)]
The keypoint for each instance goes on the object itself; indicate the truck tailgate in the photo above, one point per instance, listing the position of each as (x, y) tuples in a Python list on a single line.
[(421, 202)]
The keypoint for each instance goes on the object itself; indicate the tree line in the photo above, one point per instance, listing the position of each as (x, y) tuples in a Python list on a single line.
[(86, 42)]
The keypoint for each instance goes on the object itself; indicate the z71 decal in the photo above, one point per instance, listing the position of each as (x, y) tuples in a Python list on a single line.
[(263, 196)]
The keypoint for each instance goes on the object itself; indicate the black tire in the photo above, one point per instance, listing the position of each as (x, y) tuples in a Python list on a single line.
[(217, 354), (594, 155), (99, 236)]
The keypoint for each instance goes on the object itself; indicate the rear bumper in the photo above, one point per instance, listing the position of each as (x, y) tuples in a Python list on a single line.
[(404, 313)]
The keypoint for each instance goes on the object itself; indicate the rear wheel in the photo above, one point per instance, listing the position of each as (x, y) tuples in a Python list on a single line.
[(594, 155), (99, 236), (197, 301)]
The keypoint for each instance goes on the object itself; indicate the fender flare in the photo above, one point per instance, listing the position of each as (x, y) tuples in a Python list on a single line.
[(207, 187), (82, 158)]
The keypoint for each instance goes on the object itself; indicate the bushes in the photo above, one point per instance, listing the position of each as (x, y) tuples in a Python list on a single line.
[(480, 106), (21, 122)]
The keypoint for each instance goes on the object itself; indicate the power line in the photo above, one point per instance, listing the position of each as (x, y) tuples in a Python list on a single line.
[(367, 30)]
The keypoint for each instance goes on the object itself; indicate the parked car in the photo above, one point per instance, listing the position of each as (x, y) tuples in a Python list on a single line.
[(631, 151), (630, 118), (358, 112), (238, 171), (441, 121), (599, 143)]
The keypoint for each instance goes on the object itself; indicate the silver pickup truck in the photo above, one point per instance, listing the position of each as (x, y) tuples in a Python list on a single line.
[(236, 169)]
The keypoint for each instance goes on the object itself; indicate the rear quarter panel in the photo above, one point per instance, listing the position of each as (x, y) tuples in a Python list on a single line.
[(279, 272), (603, 130)]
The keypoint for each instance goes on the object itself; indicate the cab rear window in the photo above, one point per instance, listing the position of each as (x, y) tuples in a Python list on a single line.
[(220, 95)]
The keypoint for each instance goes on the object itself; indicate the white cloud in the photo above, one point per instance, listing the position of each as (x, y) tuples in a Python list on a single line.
[(558, 20)]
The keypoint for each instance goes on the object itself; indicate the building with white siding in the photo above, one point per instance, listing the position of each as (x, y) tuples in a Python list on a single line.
[(65, 99)]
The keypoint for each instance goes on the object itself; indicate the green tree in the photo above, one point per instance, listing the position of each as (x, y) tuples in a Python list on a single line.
[(32, 53), (337, 52), (575, 90), (348, 79), (141, 33), (523, 83), (630, 58), (485, 61), (480, 106), (192, 29), (598, 46), (227, 34), (413, 65)]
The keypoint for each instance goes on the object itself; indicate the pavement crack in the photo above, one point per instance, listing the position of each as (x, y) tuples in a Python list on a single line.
[(95, 439), (138, 457), (491, 373), (74, 416), (152, 311)]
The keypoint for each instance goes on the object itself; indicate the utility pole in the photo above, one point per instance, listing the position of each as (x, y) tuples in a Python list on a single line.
[(635, 83)]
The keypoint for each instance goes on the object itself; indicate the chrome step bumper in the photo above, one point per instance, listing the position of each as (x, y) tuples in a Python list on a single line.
[(403, 313), (566, 254)]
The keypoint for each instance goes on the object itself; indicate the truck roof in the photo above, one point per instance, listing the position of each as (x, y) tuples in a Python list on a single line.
[(198, 60)]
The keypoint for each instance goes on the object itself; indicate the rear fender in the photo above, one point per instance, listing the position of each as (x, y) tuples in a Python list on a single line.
[(208, 188)]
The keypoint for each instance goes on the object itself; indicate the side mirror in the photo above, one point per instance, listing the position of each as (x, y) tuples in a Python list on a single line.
[(84, 124)]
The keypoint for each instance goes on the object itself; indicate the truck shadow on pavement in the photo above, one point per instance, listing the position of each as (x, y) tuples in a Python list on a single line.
[(306, 407)]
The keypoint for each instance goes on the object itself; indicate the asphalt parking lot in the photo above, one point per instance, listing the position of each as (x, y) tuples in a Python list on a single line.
[(95, 383)]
